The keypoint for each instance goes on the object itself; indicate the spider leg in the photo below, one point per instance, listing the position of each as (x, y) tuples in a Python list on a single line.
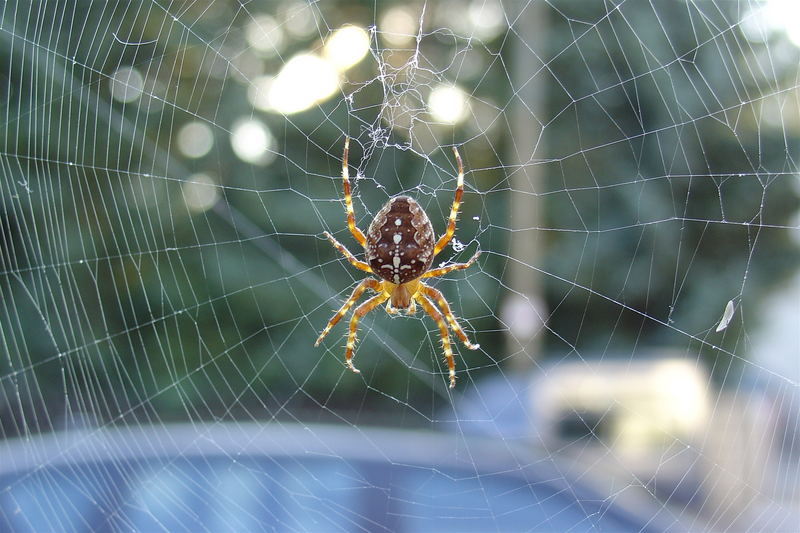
[(368, 283), (362, 310), (436, 272), (451, 221), (443, 333), (349, 256), (438, 298), (348, 199)]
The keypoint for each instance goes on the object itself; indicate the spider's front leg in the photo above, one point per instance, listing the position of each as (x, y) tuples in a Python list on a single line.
[(362, 310), (443, 333), (437, 297), (368, 283)]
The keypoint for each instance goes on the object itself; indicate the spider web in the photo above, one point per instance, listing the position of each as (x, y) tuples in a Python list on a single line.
[(168, 170)]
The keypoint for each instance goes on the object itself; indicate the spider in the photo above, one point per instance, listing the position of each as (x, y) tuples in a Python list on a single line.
[(399, 248)]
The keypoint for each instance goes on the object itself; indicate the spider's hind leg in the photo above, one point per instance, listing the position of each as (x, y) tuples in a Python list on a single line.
[(361, 265), (436, 272), (451, 221), (348, 199)]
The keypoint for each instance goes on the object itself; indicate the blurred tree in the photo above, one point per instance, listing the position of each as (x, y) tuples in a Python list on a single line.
[(663, 173)]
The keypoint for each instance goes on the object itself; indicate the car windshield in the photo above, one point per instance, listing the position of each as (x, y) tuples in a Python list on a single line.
[(216, 494)]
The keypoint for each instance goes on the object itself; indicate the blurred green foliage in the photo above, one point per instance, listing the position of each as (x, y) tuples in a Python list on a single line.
[(662, 187)]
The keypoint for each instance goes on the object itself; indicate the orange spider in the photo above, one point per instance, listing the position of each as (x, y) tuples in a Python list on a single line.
[(400, 246)]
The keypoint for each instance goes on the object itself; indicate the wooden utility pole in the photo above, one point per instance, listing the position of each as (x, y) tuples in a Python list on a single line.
[(523, 311)]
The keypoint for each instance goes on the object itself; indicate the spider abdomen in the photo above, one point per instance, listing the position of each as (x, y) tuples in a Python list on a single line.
[(400, 241)]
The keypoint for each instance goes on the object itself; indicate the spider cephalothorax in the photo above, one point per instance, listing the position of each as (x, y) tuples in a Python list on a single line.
[(400, 246)]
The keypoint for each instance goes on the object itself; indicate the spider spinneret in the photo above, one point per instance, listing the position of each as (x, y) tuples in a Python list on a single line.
[(399, 247)]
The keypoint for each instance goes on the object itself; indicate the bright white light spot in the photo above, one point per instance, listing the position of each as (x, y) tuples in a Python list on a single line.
[(246, 65), (346, 47), (300, 19), (487, 18), (448, 104), (754, 25), (775, 16), (200, 192), (682, 395), (478, 19), (258, 92), (252, 141), (727, 315), (398, 26), (265, 35), (302, 82), (523, 316), (126, 85), (195, 139)]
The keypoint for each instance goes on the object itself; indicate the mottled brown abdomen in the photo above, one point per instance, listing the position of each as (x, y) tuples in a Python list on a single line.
[(400, 241)]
